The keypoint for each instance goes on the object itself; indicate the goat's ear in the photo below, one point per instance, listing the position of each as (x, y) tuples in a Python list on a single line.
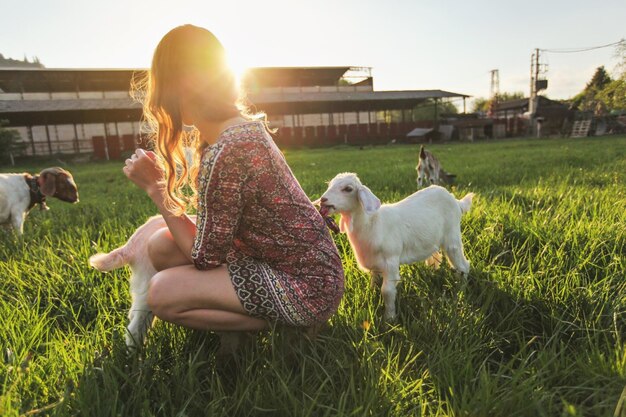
[(345, 223), (48, 184), (422, 152), (369, 201)]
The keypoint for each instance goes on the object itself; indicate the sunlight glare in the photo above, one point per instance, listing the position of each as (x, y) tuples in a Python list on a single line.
[(238, 66)]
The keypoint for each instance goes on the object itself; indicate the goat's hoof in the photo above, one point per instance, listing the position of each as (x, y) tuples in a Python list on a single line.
[(390, 317), (461, 274), (131, 342)]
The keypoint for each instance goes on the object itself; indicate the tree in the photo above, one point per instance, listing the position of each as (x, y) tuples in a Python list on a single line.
[(613, 96), (423, 111), (482, 105), (426, 111), (614, 93), (600, 79), (592, 97), (10, 143)]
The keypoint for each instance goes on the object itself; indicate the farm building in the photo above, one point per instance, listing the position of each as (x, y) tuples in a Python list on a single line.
[(90, 110), (554, 116)]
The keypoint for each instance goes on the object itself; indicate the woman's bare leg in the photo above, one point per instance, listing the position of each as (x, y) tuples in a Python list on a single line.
[(164, 252), (204, 300)]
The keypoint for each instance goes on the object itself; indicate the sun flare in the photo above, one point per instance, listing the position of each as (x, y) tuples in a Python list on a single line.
[(238, 66)]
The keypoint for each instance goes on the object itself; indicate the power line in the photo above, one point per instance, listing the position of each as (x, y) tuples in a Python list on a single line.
[(575, 50)]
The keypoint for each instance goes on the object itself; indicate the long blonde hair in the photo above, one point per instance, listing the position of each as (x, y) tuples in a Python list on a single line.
[(186, 54)]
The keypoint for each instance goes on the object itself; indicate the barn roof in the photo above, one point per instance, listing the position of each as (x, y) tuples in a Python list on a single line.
[(292, 76), (280, 98), (521, 105), (344, 101), (67, 111), (54, 80), (18, 80)]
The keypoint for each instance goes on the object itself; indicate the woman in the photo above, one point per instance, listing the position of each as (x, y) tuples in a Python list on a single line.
[(260, 251)]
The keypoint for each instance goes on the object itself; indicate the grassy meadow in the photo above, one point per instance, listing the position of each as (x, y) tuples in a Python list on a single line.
[(538, 328)]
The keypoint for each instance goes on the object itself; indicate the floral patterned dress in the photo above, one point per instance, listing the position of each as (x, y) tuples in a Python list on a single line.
[(254, 217)]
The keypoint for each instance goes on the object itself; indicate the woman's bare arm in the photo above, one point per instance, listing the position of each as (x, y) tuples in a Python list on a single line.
[(143, 169), (181, 227)]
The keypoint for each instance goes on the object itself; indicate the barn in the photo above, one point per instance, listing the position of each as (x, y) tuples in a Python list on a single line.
[(76, 111)]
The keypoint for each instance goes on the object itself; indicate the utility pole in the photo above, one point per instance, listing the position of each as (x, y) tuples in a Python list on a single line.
[(494, 92), (495, 83), (536, 85), (534, 76)]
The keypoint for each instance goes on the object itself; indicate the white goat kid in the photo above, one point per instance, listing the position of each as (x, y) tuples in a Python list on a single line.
[(383, 237), (134, 254)]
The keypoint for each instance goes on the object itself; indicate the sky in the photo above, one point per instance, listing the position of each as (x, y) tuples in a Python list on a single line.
[(410, 45)]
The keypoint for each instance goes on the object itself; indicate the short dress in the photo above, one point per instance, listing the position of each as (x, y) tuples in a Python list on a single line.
[(254, 217)]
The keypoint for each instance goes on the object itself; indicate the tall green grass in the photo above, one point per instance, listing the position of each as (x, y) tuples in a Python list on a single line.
[(537, 329)]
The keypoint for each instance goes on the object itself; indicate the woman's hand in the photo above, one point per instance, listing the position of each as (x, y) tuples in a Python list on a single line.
[(144, 170)]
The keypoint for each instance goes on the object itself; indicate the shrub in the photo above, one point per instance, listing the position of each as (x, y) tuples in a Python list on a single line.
[(10, 143)]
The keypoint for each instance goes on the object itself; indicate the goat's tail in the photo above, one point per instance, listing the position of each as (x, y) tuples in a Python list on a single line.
[(466, 202), (108, 261)]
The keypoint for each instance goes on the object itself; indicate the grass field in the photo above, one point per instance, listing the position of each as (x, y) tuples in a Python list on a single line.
[(537, 329)]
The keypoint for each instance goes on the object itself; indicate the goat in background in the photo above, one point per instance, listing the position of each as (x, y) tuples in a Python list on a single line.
[(430, 171), (19, 193)]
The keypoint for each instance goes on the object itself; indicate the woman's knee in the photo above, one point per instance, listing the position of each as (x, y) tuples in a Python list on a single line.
[(158, 301), (161, 246)]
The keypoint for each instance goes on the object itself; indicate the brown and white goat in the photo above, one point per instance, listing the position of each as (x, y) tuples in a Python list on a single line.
[(19, 193), (430, 171)]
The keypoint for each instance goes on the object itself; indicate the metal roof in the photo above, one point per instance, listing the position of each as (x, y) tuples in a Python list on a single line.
[(17, 80), (51, 112), (522, 104), (418, 132), (343, 101), (20, 106), (54, 80), (67, 111), (264, 77), (357, 99), (518, 104), (276, 102)]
